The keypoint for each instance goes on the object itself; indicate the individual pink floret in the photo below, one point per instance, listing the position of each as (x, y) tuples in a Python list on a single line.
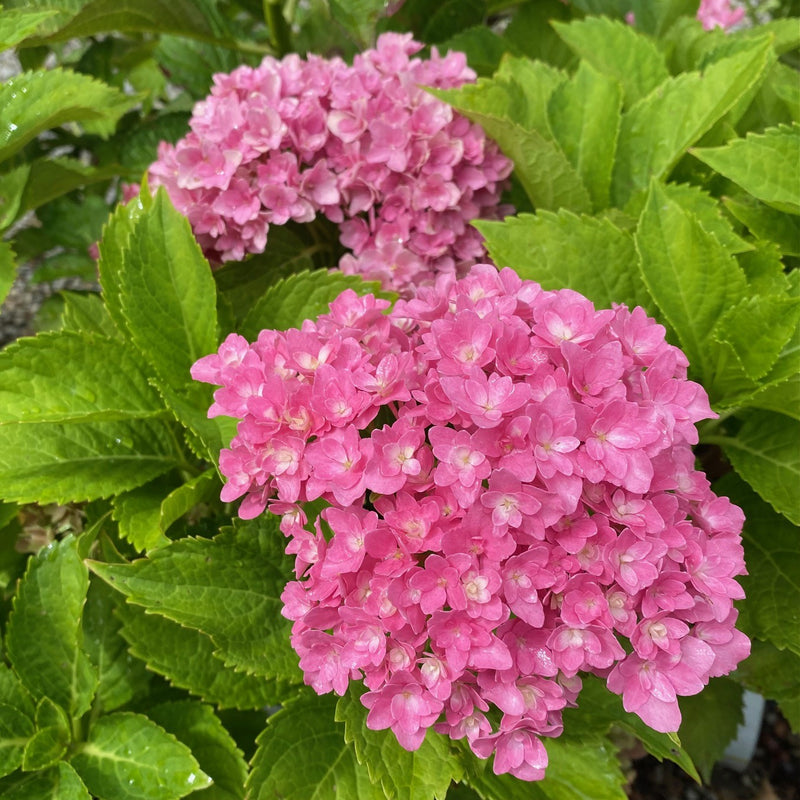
[(502, 514)]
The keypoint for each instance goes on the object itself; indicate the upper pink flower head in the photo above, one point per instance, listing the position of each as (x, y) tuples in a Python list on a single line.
[(365, 145), (511, 503), (719, 14)]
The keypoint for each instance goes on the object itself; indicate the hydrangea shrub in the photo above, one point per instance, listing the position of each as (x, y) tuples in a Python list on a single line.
[(530, 498), (365, 145)]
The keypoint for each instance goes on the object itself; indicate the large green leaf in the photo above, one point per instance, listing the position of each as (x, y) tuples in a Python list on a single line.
[(37, 101), (185, 657), (44, 637), (67, 377), (564, 251), (199, 728), (121, 678), (195, 18), (689, 274), (619, 51), (18, 24), (61, 782), (304, 732), (772, 585), (767, 223), (656, 132), (229, 588), (16, 729), (304, 295), (766, 165), (585, 117), (128, 757), (775, 674), (576, 770), (421, 774), (766, 453), (710, 720)]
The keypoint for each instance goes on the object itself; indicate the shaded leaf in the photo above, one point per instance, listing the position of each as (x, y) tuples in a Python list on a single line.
[(767, 223), (8, 270), (16, 730), (44, 638), (61, 782)]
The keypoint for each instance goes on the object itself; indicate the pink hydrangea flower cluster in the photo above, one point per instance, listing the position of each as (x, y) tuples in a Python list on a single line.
[(719, 14), (510, 501), (398, 170)]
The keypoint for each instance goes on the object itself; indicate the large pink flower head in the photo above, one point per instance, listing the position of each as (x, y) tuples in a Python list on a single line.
[(512, 502), (365, 145)]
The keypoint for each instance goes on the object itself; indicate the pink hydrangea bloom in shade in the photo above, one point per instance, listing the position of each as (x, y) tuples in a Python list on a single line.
[(511, 504), (719, 14), (364, 145)]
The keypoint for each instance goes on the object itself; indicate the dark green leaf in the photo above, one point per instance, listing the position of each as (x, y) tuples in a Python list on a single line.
[(552, 249), (710, 720), (128, 757), (532, 34), (44, 749), (121, 678), (201, 731), (58, 783), (405, 775), (186, 658), (13, 693), (304, 732), (766, 453), (8, 270), (452, 16), (44, 638), (304, 295), (16, 730), (767, 223), (484, 48), (229, 588), (775, 674)]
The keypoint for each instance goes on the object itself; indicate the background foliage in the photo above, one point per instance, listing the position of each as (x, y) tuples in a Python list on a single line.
[(143, 650)]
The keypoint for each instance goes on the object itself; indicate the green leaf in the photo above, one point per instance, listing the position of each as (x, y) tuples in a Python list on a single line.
[(576, 771), (404, 775), (43, 637), (775, 674), (772, 585), (304, 295), (552, 249), (51, 462), (358, 17), (13, 693), (16, 730), (18, 24), (51, 715), (8, 270), (656, 132), (710, 720), (128, 757), (766, 453), (37, 101), (619, 51), (68, 377), (765, 165), (530, 32), (781, 397), (450, 17), (44, 749), (657, 18), (58, 783), (766, 223), (216, 752), (185, 657), (12, 185), (757, 329), (84, 312), (484, 48), (194, 18), (304, 732), (546, 174), (689, 274), (598, 709), (121, 678), (585, 117), (229, 588), (693, 200)]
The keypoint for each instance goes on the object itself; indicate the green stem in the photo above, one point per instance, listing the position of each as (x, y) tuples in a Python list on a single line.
[(719, 440), (279, 32)]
